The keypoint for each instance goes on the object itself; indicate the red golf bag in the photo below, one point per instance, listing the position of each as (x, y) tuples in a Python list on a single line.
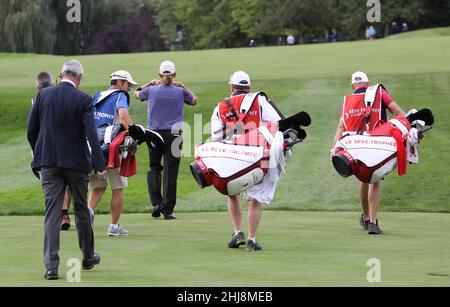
[(239, 164), (371, 157)]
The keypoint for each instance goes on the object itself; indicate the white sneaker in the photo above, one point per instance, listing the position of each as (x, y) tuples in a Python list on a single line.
[(118, 231)]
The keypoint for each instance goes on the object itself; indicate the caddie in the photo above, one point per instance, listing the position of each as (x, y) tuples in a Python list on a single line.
[(362, 111), (111, 107), (227, 113)]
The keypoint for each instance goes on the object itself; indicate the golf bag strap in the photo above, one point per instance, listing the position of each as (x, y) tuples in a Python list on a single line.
[(106, 94), (108, 134), (400, 126), (266, 133), (246, 106), (232, 109), (276, 146), (248, 102), (369, 101), (272, 104)]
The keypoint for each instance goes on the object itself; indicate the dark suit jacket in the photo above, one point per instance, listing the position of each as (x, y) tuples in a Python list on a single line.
[(60, 123)]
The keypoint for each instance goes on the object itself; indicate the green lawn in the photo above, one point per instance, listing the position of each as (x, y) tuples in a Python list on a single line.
[(310, 232), (312, 78), (434, 32), (299, 249)]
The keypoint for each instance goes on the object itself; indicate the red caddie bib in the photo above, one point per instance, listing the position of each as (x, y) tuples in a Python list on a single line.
[(251, 119), (354, 111)]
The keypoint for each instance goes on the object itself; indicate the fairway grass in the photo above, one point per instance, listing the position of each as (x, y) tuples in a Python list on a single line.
[(426, 33), (310, 184), (299, 249), (312, 78)]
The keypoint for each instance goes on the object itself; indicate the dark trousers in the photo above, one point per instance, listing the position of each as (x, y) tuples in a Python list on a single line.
[(166, 174), (54, 183)]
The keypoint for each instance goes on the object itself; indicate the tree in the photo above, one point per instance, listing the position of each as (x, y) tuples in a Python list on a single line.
[(404, 10), (42, 25), (259, 18), (436, 14), (256, 18), (78, 38), (207, 23), (352, 17), (130, 36), (29, 26)]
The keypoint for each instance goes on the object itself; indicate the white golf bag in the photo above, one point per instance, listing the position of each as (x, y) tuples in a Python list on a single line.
[(235, 166), (371, 157)]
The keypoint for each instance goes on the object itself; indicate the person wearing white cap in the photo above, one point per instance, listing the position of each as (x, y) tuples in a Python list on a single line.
[(360, 116), (166, 99), (111, 107), (229, 112)]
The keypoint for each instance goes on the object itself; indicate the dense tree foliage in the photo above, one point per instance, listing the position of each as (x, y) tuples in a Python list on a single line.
[(42, 26), (28, 26), (147, 25), (227, 23)]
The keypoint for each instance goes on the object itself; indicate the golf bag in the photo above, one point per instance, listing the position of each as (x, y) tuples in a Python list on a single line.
[(136, 136), (106, 135), (371, 157), (238, 164)]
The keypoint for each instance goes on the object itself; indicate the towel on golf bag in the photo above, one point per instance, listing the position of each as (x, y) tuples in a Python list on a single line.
[(265, 191), (128, 166), (412, 146)]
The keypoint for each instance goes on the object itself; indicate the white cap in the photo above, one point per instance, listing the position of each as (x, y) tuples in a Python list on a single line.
[(167, 67), (359, 77), (240, 78), (123, 75)]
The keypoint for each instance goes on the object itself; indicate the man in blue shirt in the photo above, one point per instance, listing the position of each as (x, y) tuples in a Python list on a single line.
[(166, 100), (111, 107)]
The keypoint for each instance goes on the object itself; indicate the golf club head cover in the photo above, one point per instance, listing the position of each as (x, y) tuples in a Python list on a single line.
[(142, 135), (300, 119), (425, 115)]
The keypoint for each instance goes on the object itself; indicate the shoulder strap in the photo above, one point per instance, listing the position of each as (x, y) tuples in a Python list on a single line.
[(246, 105), (248, 102), (231, 108), (103, 96), (369, 101), (371, 94)]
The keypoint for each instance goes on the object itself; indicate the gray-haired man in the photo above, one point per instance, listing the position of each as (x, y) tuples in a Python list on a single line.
[(43, 81), (60, 122)]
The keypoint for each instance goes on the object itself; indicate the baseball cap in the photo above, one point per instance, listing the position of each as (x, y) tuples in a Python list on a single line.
[(240, 78), (167, 67), (359, 77), (123, 75)]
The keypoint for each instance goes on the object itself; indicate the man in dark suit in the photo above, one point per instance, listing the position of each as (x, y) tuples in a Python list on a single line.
[(60, 126)]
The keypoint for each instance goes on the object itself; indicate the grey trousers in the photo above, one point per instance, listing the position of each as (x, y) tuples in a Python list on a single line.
[(54, 183)]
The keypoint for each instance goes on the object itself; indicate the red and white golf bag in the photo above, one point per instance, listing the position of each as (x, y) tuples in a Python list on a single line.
[(235, 166), (371, 157)]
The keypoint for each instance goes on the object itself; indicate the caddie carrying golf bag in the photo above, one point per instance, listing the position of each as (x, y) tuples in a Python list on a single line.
[(371, 157), (239, 163)]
